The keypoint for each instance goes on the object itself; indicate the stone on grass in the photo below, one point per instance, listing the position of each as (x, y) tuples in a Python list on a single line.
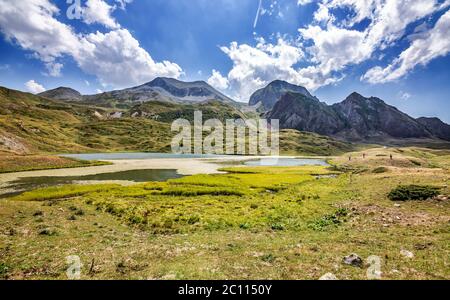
[(328, 276), (407, 253), (353, 260)]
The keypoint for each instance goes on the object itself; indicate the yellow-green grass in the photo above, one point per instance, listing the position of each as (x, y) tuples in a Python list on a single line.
[(19, 163), (279, 228)]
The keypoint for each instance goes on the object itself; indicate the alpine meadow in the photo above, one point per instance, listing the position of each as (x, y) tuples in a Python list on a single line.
[(190, 140)]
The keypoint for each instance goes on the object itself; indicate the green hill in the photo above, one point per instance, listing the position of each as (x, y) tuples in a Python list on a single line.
[(33, 125)]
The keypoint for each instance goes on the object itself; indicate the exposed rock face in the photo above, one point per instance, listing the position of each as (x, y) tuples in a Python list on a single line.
[(267, 97), (297, 111), (62, 93), (372, 117), (436, 127), (356, 118), (12, 143)]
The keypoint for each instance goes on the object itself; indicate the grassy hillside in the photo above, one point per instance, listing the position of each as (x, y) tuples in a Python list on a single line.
[(30, 125)]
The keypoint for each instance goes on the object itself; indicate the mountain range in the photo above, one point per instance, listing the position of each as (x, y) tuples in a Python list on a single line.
[(160, 89), (356, 119)]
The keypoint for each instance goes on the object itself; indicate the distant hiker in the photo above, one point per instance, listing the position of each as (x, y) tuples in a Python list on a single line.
[(364, 156), (392, 157)]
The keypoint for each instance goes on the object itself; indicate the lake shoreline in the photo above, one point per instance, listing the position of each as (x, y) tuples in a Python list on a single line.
[(183, 166)]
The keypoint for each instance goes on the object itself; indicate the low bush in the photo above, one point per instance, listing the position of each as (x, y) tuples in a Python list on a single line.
[(334, 219), (413, 192)]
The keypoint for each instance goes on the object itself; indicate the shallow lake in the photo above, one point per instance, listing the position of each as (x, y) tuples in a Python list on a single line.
[(30, 183)]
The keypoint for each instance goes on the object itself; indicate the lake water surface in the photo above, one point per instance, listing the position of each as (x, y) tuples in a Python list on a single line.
[(137, 176)]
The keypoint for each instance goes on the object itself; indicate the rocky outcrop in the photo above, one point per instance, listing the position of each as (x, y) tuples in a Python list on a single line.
[(266, 98), (436, 127), (297, 111), (371, 117), (357, 118)]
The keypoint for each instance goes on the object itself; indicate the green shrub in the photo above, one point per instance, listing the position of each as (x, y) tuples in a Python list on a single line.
[(277, 227), (380, 170), (330, 220), (193, 220), (413, 192), (3, 270)]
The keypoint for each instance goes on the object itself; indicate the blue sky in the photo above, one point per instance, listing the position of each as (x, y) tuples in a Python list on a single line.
[(394, 50)]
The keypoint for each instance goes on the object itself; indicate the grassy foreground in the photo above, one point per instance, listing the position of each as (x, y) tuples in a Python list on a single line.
[(251, 223)]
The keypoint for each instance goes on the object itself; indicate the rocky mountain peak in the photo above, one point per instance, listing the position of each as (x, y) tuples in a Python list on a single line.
[(267, 97)]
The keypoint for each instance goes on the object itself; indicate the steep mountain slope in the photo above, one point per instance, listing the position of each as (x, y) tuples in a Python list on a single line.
[(369, 118), (355, 119), (267, 97), (436, 127), (62, 93), (297, 111)]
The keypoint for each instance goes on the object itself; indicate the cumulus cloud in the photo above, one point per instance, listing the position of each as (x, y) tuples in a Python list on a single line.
[(34, 87), (434, 44), (253, 67), (115, 57), (218, 81), (98, 11), (330, 44)]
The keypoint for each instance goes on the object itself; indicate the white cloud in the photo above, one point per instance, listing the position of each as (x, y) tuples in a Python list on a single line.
[(330, 45), (304, 2), (254, 67), (115, 57), (337, 46), (218, 81), (54, 69), (434, 44), (404, 95), (98, 11), (123, 3), (34, 87)]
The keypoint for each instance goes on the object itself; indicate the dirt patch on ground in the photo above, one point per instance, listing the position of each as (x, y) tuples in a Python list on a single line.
[(397, 215)]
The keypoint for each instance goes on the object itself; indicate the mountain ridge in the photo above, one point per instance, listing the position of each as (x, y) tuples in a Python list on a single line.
[(160, 89), (357, 118)]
